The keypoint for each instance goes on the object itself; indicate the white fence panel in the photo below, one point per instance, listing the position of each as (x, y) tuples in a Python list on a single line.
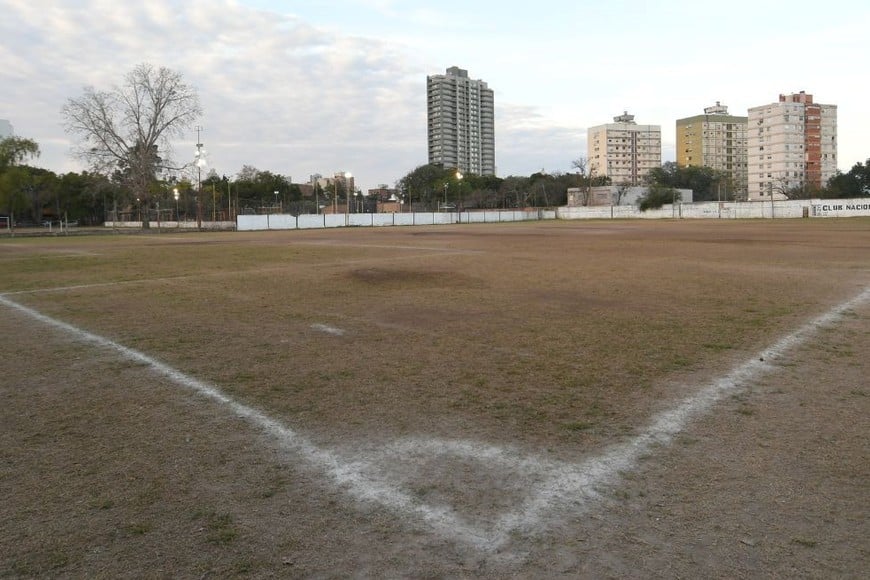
[(424, 219), (444, 218), (383, 219), (359, 219), (334, 220), (405, 219), (248, 223), (281, 222), (311, 221)]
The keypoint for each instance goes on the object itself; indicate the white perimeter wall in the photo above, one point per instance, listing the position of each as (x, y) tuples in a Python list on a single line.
[(812, 208), (166, 225), (289, 222), (727, 210)]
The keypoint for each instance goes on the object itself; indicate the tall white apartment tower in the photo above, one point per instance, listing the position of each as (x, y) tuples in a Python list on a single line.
[(624, 150), (791, 144), (461, 122)]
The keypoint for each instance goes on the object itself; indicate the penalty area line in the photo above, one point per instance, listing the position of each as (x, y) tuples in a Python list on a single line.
[(351, 476), (560, 488)]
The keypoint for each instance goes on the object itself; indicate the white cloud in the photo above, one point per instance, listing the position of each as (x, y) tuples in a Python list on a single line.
[(338, 85)]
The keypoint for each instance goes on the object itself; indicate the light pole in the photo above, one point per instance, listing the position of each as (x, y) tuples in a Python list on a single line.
[(200, 163), (347, 192), (459, 184), (276, 200), (770, 194)]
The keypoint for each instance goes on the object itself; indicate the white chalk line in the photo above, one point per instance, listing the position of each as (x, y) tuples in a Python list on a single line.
[(570, 488), (328, 329), (349, 476)]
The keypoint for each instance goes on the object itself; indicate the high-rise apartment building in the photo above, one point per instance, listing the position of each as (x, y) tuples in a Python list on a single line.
[(461, 122), (624, 150), (716, 140), (792, 144), (5, 129)]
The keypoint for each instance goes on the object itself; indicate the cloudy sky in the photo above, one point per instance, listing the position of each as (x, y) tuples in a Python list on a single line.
[(321, 86)]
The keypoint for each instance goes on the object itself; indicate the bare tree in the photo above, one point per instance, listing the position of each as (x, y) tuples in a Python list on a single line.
[(127, 130), (621, 191), (584, 179), (794, 188)]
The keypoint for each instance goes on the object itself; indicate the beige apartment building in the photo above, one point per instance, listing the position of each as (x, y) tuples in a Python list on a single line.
[(792, 144), (624, 150), (716, 140)]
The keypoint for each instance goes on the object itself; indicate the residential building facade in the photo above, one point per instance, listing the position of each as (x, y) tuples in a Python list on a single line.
[(461, 126), (716, 140), (792, 144), (623, 150), (5, 129)]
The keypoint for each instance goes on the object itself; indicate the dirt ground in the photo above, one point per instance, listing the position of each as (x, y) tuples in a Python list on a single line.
[(418, 455)]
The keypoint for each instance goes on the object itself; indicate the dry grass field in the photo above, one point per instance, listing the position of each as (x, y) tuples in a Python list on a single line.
[(456, 401)]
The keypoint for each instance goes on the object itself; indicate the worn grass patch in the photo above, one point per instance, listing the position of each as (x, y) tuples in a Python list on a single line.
[(553, 338)]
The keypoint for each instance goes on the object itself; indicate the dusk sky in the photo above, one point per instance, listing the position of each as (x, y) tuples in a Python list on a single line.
[(323, 86)]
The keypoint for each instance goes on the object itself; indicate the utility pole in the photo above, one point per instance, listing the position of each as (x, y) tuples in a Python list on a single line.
[(199, 162)]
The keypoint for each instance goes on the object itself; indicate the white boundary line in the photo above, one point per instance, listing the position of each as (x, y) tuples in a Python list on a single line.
[(566, 488), (328, 329)]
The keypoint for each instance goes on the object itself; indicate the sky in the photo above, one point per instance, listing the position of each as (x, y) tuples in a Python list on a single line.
[(326, 86)]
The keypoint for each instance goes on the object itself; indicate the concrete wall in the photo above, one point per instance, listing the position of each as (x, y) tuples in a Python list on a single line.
[(727, 210), (810, 208), (166, 225), (289, 222)]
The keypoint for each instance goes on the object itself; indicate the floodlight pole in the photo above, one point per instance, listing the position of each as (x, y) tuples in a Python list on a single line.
[(347, 193), (198, 179), (459, 185)]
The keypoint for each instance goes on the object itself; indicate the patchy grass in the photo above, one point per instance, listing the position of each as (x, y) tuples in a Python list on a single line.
[(806, 543), (579, 426), (561, 336), (528, 345), (221, 529)]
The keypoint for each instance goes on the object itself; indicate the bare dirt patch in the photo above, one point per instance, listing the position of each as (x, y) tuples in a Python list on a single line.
[(401, 279)]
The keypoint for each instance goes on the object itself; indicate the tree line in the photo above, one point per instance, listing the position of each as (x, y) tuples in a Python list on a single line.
[(124, 135)]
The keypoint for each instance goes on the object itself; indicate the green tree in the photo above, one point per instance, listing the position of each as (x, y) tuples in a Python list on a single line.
[(423, 185), (87, 197), (704, 182), (657, 196), (15, 150), (477, 191), (128, 129), (513, 191), (256, 190), (855, 183), (16, 181)]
